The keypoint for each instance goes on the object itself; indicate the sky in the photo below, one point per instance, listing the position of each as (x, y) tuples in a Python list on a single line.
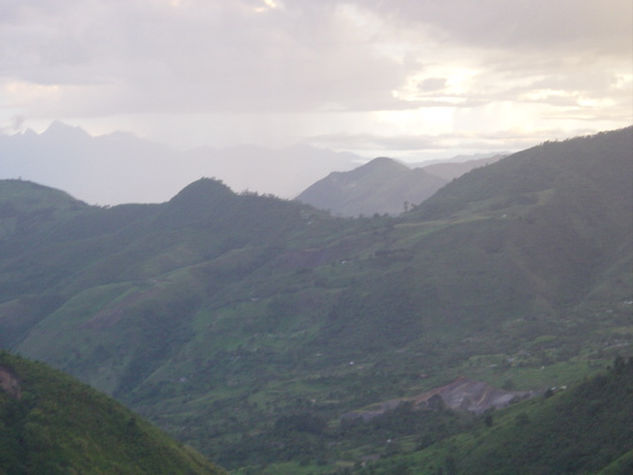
[(409, 79)]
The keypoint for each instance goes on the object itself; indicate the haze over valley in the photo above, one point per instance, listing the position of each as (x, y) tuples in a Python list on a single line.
[(292, 237)]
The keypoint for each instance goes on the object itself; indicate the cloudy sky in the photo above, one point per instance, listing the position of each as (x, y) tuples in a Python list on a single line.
[(405, 78)]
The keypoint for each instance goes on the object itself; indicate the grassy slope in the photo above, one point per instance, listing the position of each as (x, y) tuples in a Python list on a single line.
[(585, 429), (58, 425), (217, 315)]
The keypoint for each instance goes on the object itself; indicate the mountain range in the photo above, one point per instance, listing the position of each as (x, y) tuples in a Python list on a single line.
[(122, 168), (247, 325)]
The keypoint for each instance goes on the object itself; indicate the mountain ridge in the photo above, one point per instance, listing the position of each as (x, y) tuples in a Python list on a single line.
[(122, 168)]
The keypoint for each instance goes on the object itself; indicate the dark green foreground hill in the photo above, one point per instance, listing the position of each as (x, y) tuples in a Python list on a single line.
[(50, 423)]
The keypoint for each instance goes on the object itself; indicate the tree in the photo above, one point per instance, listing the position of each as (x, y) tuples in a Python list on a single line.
[(488, 420)]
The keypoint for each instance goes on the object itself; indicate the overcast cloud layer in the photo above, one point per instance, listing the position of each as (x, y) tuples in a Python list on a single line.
[(405, 78)]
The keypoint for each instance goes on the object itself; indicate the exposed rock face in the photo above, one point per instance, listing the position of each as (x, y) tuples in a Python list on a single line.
[(462, 394), (9, 383), (472, 396)]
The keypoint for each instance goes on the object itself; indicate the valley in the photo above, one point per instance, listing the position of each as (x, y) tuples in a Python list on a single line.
[(247, 326)]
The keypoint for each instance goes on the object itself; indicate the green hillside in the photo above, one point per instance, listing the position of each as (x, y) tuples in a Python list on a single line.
[(50, 423), (226, 318), (584, 429)]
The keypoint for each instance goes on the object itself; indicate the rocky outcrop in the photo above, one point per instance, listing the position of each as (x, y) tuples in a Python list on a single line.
[(462, 394), (472, 396), (9, 383)]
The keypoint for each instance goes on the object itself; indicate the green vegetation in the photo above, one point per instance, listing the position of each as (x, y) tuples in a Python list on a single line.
[(584, 429), (246, 326), (50, 423)]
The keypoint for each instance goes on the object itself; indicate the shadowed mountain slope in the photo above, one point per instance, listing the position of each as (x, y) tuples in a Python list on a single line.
[(380, 186), (384, 186), (562, 209)]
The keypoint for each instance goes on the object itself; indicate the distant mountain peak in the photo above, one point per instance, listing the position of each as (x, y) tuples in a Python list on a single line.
[(28, 133), (60, 130), (378, 167), (384, 163), (382, 185)]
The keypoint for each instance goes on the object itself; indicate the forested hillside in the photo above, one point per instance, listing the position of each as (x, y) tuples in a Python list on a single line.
[(247, 326), (587, 428)]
